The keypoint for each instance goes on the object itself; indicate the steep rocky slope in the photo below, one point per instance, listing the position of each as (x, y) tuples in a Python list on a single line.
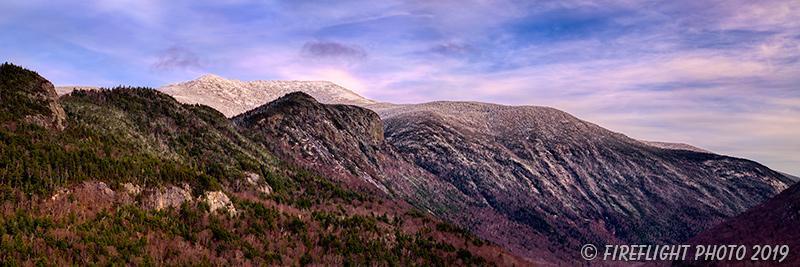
[(232, 97), (774, 222), (571, 180), (26, 96), (343, 139), (137, 178)]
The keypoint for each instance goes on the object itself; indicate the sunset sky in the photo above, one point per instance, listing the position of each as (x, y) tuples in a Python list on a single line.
[(721, 75)]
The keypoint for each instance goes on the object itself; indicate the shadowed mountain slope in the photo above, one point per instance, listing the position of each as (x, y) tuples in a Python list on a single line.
[(774, 222), (571, 180)]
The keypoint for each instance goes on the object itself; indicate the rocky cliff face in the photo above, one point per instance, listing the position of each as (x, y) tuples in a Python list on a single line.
[(571, 180), (343, 139), (27, 97)]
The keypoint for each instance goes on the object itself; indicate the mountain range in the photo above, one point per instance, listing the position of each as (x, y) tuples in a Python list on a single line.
[(296, 172), (536, 180)]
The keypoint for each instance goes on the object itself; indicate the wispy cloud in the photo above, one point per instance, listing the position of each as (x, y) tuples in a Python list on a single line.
[(177, 57), (452, 49), (320, 49)]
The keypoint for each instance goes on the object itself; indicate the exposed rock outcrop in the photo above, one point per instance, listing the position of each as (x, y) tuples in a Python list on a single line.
[(255, 180), (162, 198), (219, 201), (153, 198), (132, 189), (82, 199)]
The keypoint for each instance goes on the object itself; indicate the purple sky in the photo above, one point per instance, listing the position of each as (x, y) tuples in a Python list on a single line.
[(722, 75)]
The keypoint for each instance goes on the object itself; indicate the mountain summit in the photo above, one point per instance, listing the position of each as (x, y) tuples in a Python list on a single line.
[(233, 97)]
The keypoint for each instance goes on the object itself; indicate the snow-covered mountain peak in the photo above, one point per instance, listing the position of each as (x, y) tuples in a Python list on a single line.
[(210, 77), (232, 97)]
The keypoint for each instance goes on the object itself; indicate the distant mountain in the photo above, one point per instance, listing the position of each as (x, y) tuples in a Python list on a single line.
[(233, 97), (774, 222)]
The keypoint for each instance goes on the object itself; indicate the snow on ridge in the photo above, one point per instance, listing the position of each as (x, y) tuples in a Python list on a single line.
[(675, 146), (233, 97)]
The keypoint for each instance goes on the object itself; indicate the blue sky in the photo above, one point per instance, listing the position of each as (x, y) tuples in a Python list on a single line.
[(722, 75)]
